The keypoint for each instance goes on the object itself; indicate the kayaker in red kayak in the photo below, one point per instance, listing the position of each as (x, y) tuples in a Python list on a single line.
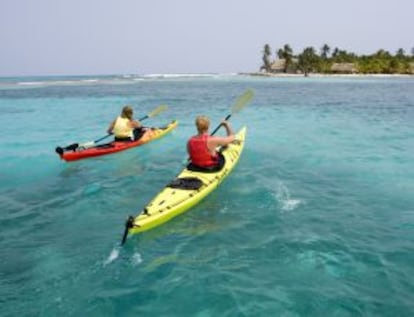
[(202, 147), (125, 128)]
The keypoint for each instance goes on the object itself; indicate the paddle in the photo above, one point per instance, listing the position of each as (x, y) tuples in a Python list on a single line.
[(86, 145), (128, 225), (240, 103)]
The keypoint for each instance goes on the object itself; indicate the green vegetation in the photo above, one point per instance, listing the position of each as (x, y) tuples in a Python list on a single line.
[(266, 58), (340, 61), (287, 54)]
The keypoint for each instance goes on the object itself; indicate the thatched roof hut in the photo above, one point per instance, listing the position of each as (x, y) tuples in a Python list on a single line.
[(344, 68), (412, 68), (278, 66)]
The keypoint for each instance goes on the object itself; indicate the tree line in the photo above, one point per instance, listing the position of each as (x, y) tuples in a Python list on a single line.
[(310, 61)]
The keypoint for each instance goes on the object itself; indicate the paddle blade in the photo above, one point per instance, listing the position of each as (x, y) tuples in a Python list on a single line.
[(242, 101), (87, 145), (157, 111), (239, 104)]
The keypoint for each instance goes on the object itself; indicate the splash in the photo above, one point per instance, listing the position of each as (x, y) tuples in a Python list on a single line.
[(136, 259), (284, 199), (112, 257)]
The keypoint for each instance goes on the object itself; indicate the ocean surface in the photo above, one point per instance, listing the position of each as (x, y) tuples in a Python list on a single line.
[(317, 219)]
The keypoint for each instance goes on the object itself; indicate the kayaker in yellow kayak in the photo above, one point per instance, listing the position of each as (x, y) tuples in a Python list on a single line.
[(202, 148), (125, 128)]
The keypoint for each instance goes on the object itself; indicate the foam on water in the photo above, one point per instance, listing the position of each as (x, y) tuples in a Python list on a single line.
[(136, 259), (174, 76), (112, 256), (283, 197)]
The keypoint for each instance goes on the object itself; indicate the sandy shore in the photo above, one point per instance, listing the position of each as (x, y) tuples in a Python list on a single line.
[(281, 75)]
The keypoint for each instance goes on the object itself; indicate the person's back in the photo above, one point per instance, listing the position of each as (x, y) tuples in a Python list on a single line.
[(124, 127), (202, 147), (199, 151)]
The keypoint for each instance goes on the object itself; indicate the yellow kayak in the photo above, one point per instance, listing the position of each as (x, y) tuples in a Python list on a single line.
[(184, 192)]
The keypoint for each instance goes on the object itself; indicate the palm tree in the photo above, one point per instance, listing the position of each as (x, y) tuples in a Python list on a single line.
[(279, 53), (335, 52), (400, 53), (287, 54), (381, 53), (325, 51), (267, 52), (308, 60)]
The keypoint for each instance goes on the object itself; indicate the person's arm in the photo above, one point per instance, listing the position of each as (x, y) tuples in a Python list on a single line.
[(214, 141), (229, 130), (135, 124), (111, 127)]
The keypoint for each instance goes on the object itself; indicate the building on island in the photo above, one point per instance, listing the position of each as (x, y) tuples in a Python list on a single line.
[(278, 66), (344, 68)]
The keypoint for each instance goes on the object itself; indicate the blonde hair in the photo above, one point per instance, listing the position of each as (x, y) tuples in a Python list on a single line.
[(127, 112), (202, 124)]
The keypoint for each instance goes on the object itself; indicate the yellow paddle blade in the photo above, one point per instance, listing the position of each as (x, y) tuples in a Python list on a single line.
[(242, 101), (157, 111)]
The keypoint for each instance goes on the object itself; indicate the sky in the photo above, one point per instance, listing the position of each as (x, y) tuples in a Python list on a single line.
[(92, 37)]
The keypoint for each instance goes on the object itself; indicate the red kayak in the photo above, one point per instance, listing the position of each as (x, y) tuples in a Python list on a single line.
[(80, 152)]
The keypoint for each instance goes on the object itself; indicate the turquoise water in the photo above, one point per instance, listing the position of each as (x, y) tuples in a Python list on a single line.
[(316, 220)]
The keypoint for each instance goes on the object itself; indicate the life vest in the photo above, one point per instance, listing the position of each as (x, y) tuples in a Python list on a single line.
[(122, 129), (199, 153)]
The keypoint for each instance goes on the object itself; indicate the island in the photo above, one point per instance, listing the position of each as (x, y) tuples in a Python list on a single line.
[(336, 61)]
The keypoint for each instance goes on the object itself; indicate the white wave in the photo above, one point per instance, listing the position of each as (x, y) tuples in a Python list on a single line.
[(283, 197), (112, 257), (89, 80), (57, 82), (126, 78), (120, 79), (290, 204), (136, 259), (64, 82), (179, 75), (31, 83)]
